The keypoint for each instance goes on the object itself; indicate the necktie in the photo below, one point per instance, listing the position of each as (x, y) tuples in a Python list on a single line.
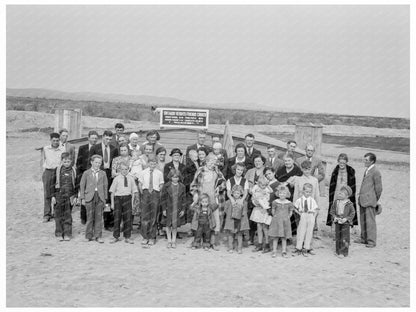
[(305, 205), (96, 178), (151, 181), (125, 181), (271, 160), (105, 154)]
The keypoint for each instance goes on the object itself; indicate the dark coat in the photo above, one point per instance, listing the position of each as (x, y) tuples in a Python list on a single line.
[(98, 150), (254, 153), (166, 201), (349, 211), (282, 176), (189, 173), (82, 159), (169, 166), (197, 211), (332, 187)]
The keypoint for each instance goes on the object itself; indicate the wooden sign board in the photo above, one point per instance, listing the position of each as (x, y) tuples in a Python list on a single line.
[(184, 118)]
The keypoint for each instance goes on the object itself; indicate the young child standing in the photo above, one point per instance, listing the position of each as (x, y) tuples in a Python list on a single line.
[(307, 208), (342, 212), (236, 220), (64, 197), (123, 190), (173, 202), (203, 222), (93, 194), (260, 198), (280, 227)]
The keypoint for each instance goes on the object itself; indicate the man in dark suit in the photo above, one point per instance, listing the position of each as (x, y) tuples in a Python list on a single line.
[(251, 152), (119, 129), (201, 143), (272, 160), (83, 164), (108, 152), (370, 193)]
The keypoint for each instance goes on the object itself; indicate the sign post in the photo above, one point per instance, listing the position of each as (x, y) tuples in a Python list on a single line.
[(184, 118)]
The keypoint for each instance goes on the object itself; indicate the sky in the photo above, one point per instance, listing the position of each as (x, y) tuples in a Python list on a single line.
[(335, 59)]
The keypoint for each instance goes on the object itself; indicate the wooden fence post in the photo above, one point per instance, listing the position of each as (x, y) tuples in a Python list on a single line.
[(69, 119)]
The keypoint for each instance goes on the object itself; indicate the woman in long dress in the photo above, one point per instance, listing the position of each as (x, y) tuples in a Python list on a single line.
[(342, 174)]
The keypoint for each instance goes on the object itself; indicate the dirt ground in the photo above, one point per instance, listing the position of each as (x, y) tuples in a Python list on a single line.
[(42, 272)]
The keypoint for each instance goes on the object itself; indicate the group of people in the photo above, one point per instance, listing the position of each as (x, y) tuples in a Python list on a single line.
[(120, 182)]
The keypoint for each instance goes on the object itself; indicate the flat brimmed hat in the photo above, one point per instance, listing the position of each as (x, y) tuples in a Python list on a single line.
[(175, 151)]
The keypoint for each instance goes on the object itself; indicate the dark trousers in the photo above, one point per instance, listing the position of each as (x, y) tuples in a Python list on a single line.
[(203, 233), (83, 214), (108, 215), (294, 222), (122, 210), (82, 210), (63, 217), (149, 214), (342, 238), (368, 225), (49, 180), (94, 217)]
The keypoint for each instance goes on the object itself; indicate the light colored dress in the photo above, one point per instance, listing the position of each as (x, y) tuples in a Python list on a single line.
[(260, 199)]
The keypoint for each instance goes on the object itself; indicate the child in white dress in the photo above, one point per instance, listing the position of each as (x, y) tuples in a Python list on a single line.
[(261, 212)]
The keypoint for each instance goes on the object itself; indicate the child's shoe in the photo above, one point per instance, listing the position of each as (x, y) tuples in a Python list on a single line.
[(266, 248), (193, 247), (114, 240), (240, 251), (174, 245), (169, 245), (206, 248), (259, 247), (304, 252), (145, 242), (67, 238), (129, 241), (284, 254), (230, 250), (297, 252), (274, 254), (59, 238), (310, 252), (100, 240), (213, 246)]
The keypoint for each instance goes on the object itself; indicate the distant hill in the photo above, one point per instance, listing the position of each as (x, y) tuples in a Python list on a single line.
[(133, 111), (123, 98)]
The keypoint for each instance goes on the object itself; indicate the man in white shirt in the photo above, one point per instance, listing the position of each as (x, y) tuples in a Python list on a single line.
[(51, 159), (150, 184)]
